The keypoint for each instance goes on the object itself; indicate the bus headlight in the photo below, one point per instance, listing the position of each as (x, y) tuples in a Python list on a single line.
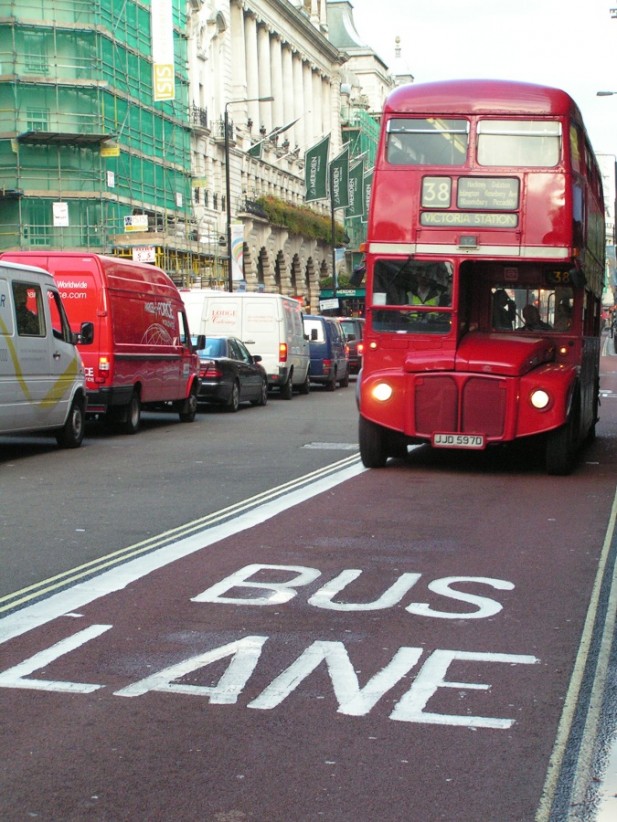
[(381, 392), (540, 399)]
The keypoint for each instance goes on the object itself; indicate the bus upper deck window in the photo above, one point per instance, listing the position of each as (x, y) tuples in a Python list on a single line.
[(535, 143), (430, 142)]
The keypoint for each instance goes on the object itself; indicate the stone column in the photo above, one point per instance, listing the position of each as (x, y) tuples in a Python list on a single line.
[(265, 83), (251, 61), (302, 126), (319, 121), (238, 52), (277, 106), (289, 113), (311, 132)]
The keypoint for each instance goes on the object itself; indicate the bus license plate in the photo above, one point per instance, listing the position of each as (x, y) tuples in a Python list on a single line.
[(458, 441)]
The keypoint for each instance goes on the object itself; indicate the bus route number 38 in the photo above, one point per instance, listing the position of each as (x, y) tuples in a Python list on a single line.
[(458, 441)]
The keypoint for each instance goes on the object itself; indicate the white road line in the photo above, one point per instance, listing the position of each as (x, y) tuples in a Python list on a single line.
[(582, 775), (75, 597), (9, 602)]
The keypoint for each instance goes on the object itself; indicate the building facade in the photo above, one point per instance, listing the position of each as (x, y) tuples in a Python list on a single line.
[(112, 135)]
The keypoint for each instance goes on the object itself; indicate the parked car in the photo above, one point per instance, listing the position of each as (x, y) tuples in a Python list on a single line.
[(230, 374), (329, 356), (353, 327), (268, 324)]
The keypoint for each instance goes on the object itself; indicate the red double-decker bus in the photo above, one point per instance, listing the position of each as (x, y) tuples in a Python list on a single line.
[(485, 268)]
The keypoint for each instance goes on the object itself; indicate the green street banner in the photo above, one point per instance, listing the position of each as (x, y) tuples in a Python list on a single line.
[(367, 184), (255, 150), (339, 180), (316, 171), (356, 199)]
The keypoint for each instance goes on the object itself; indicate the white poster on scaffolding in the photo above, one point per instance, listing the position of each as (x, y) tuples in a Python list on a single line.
[(163, 80)]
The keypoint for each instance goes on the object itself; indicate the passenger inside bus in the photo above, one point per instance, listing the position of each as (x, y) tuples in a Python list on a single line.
[(533, 321), (563, 315), (524, 308), (504, 311)]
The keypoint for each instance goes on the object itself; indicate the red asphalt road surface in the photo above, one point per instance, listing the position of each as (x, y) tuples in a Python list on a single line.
[(301, 738)]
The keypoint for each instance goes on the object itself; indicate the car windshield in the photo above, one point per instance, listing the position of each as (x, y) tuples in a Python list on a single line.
[(349, 327)]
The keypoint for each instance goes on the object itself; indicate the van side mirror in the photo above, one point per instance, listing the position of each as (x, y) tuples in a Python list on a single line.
[(86, 334)]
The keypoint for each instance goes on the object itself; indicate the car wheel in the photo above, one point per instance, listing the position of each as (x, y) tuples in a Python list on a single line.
[(234, 398), (263, 399), (72, 433), (345, 381)]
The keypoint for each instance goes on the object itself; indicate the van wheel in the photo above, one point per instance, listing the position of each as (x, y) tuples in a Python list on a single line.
[(189, 406), (287, 389), (373, 444), (331, 384), (132, 416), (72, 433), (305, 388), (234, 399), (345, 381)]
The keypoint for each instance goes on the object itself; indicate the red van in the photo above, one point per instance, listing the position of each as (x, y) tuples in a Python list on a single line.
[(141, 356)]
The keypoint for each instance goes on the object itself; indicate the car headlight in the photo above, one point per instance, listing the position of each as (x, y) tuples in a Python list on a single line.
[(381, 391), (540, 399)]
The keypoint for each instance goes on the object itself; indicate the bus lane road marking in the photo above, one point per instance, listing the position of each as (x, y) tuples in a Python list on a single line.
[(243, 654), (427, 673), (281, 586)]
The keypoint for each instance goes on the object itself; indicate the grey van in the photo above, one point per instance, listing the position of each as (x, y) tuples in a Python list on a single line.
[(42, 382)]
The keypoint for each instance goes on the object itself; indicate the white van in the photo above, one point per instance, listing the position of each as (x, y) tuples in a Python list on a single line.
[(42, 382), (268, 324)]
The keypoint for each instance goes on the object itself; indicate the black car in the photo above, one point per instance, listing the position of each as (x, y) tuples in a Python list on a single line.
[(230, 374), (353, 328)]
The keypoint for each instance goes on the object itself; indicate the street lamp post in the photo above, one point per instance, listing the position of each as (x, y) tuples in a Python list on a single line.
[(230, 281)]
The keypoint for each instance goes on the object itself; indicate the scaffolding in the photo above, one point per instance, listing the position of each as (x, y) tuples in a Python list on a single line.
[(84, 147)]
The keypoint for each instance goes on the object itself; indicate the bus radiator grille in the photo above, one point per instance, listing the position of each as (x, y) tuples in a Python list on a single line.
[(460, 403)]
